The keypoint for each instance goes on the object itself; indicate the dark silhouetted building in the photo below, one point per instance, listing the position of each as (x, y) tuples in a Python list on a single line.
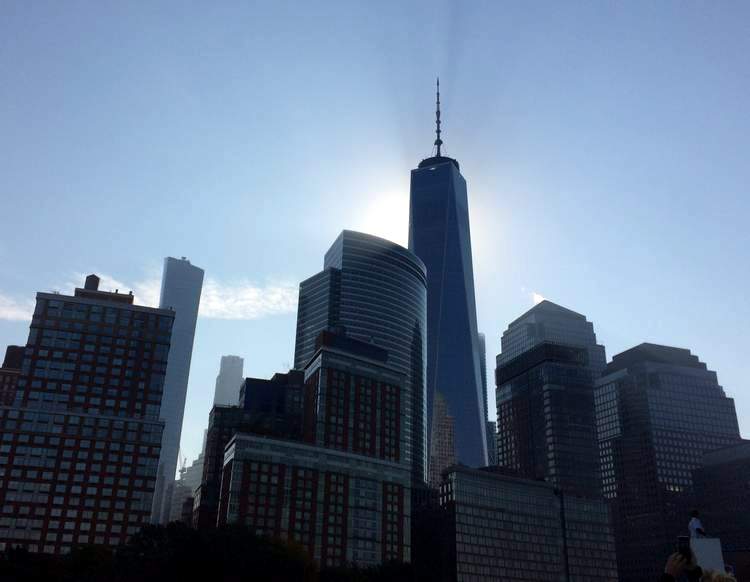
[(439, 235), (498, 526), (271, 408), (275, 405), (181, 286), (9, 374), (722, 494), (228, 381), (659, 409), (376, 291), (545, 399), (81, 440)]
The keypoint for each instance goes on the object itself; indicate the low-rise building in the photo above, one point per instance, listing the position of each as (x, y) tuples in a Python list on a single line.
[(498, 526), (340, 506)]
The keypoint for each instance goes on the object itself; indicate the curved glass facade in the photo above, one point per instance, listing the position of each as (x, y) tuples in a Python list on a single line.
[(376, 290)]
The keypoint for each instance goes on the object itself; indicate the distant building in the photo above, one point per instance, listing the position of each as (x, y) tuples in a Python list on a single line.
[(443, 443), (228, 381), (185, 486), (272, 408), (545, 377), (490, 426), (81, 439), (659, 409), (275, 405), (181, 292), (500, 527), (9, 374), (440, 236), (376, 291), (722, 494), (491, 444)]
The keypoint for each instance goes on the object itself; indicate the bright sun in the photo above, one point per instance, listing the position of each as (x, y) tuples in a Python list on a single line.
[(386, 215)]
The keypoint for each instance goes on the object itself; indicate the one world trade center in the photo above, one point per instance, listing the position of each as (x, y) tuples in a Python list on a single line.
[(439, 235)]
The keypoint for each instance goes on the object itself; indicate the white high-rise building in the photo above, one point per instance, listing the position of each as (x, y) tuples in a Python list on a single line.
[(181, 286), (228, 381)]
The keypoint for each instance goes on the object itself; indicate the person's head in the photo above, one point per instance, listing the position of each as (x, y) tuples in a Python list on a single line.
[(694, 513)]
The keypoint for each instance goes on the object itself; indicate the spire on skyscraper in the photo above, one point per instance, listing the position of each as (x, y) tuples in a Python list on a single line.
[(438, 141)]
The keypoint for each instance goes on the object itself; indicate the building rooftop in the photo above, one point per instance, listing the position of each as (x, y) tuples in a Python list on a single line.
[(654, 353), (548, 308)]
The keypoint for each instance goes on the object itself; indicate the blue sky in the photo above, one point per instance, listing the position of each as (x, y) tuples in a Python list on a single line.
[(605, 147)]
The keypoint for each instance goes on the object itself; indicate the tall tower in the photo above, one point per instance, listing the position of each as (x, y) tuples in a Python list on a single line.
[(545, 398), (376, 290), (229, 380), (181, 286), (439, 235)]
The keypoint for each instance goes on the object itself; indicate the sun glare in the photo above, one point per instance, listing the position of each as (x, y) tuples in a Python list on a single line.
[(386, 215)]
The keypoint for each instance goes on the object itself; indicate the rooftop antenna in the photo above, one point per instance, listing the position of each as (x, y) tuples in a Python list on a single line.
[(438, 141)]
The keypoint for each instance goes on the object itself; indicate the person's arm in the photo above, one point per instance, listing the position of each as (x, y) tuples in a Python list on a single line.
[(699, 528)]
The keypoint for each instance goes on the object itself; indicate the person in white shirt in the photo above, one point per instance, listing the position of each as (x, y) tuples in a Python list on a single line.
[(695, 526)]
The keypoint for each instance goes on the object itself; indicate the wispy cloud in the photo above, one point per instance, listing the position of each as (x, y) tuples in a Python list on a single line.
[(237, 300), (537, 297), (246, 300), (219, 300), (12, 309)]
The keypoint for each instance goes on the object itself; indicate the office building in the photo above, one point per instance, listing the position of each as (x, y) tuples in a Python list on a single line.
[(549, 322), (439, 235), (498, 526), (722, 496), (228, 381), (376, 291), (181, 286), (545, 399), (10, 373), (658, 409), (81, 440)]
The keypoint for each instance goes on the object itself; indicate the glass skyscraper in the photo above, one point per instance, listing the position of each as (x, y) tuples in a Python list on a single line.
[(181, 286), (376, 290), (658, 410), (439, 235), (545, 398)]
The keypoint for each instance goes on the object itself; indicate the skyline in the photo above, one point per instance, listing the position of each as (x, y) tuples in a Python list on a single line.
[(240, 158)]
